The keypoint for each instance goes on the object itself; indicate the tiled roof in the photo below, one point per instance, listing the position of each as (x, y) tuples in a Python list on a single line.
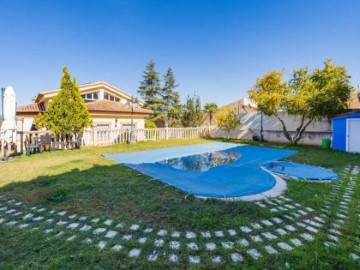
[(95, 106), (80, 85), (31, 108), (97, 83), (104, 105)]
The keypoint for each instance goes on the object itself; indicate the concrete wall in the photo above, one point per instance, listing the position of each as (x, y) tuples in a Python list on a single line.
[(251, 125)]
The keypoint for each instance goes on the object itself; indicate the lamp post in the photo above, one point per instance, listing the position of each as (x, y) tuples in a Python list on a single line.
[(2, 103), (131, 103), (261, 127), (3, 142)]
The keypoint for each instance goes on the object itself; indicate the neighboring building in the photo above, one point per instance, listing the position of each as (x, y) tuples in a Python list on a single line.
[(243, 105), (354, 103), (108, 107)]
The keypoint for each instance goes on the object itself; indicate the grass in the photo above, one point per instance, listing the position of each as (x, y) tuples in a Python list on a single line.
[(84, 182)]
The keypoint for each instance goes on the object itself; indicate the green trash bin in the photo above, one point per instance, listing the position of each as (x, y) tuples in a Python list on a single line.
[(325, 143), (28, 153)]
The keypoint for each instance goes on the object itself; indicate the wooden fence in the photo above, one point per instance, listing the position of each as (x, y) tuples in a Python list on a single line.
[(99, 137)]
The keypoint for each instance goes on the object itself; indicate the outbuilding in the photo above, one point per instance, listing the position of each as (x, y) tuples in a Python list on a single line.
[(346, 132)]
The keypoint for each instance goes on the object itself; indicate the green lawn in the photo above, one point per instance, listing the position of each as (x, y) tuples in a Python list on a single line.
[(85, 183)]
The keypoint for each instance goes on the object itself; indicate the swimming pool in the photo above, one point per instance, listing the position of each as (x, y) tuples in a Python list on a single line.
[(300, 171), (240, 177)]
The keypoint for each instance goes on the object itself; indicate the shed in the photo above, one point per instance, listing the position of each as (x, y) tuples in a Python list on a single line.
[(346, 132)]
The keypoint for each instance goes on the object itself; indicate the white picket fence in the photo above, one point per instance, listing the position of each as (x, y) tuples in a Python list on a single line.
[(99, 137), (116, 136)]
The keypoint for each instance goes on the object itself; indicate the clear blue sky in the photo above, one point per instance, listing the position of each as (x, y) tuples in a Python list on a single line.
[(216, 48)]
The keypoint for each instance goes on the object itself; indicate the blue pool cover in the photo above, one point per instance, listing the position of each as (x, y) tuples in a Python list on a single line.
[(301, 171), (240, 178)]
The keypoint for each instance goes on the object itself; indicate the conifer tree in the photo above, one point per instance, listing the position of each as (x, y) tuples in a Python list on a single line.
[(198, 111), (67, 115), (172, 99), (151, 91)]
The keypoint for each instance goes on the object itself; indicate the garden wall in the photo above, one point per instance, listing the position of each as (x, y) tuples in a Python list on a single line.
[(272, 129)]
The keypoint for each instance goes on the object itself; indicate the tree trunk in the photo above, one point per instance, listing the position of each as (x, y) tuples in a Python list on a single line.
[(299, 131), (286, 132)]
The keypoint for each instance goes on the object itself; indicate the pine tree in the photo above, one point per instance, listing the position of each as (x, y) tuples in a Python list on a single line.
[(67, 115), (198, 112), (151, 91), (172, 99)]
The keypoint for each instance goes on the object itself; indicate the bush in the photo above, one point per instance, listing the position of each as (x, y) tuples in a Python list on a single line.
[(150, 124)]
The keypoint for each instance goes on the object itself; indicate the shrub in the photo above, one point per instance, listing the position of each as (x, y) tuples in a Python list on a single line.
[(149, 124)]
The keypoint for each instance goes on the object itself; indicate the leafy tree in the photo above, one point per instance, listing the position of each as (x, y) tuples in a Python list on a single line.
[(192, 112), (210, 108), (227, 119), (67, 114), (171, 99), (151, 92), (309, 95)]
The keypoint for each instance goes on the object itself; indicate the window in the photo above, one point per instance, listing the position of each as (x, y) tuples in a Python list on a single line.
[(111, 97), (90, 97), (102, 126)]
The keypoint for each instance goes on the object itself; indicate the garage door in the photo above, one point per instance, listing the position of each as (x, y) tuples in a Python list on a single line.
[(353, 135)]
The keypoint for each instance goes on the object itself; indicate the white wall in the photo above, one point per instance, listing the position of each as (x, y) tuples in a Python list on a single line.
[(273, 131), (139, 123), (24, 123)]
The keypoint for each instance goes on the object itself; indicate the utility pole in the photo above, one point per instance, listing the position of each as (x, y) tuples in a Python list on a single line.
[(261, 127)]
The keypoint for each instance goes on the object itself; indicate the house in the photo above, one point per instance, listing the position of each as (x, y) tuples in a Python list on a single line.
[(109, 107)]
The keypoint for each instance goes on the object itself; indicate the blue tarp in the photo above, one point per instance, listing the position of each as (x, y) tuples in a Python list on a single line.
[(151, 156), (301, 171), (243, 177)]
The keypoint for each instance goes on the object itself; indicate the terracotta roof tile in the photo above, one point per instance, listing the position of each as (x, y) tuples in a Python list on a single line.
[(95, 106), (111, 106), (31, 108)]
